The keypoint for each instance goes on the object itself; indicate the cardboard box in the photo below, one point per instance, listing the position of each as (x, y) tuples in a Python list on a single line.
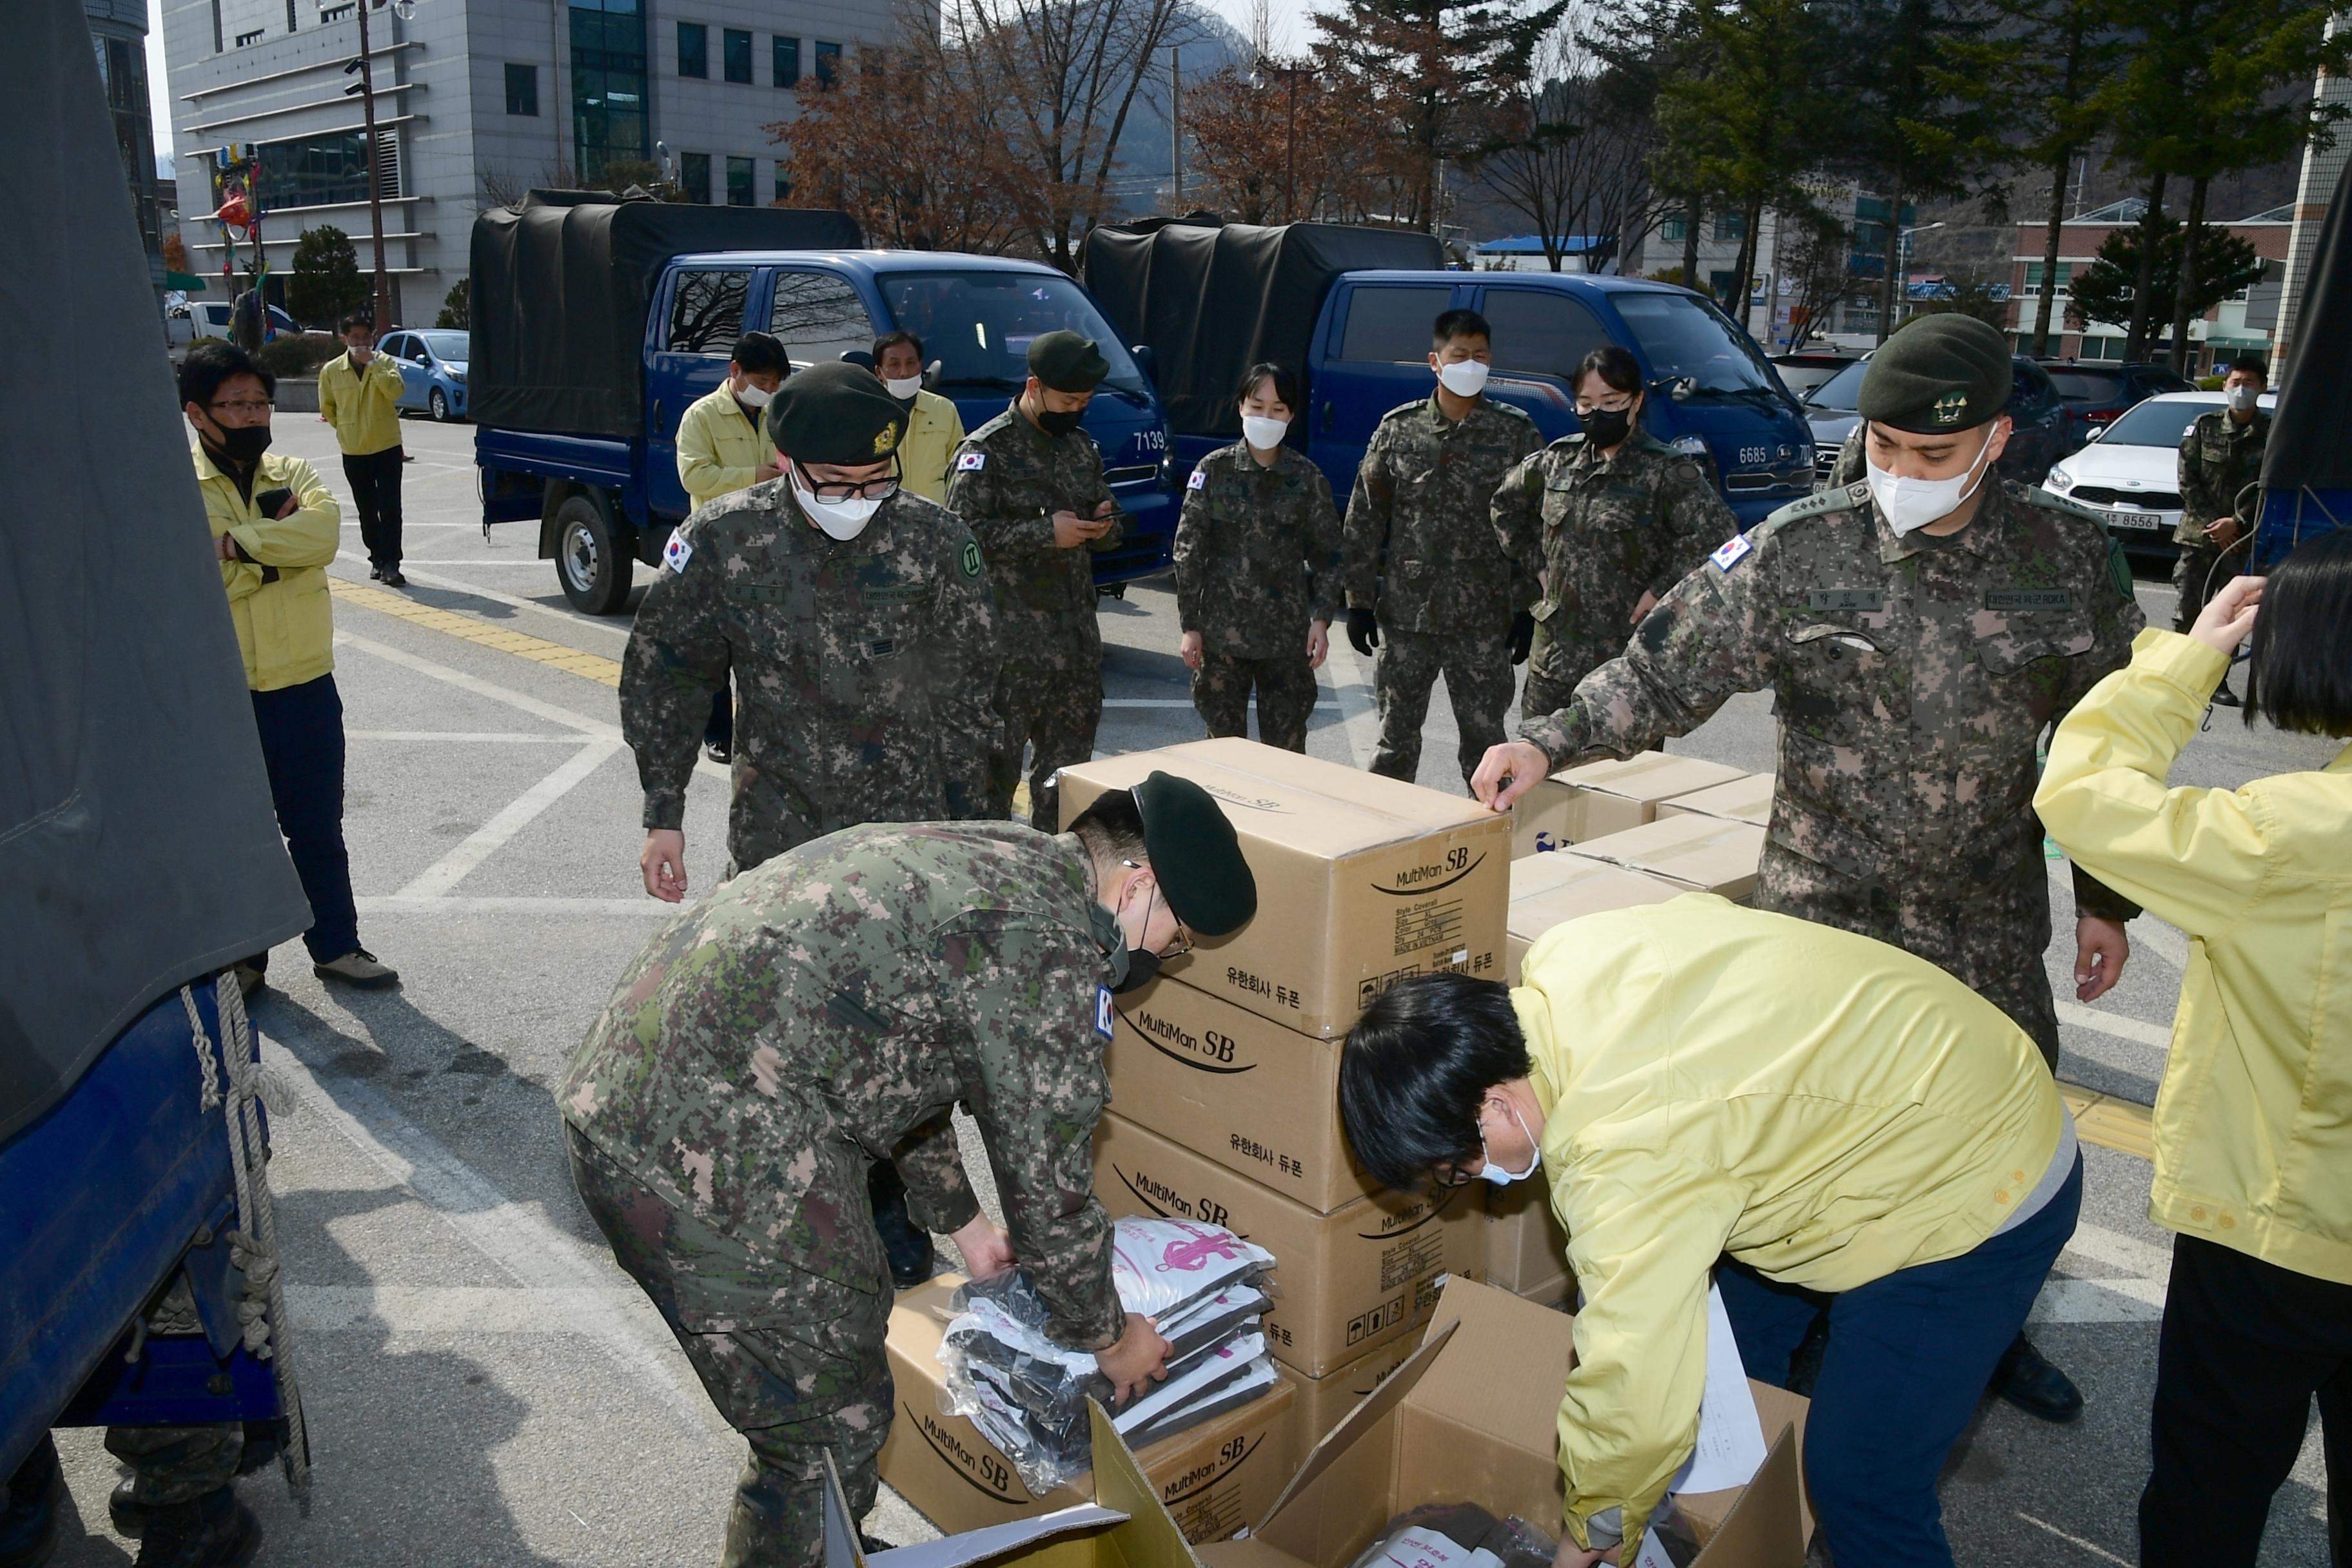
[(1471, 1418), (1703, 854), (1125, 1526), (1594, 800), (1526, 1250), (1344, 1282), (1361, 879), (1742, 800), (1324, 1401), (1552, 889), (1256, 1098), (1212, 1480)]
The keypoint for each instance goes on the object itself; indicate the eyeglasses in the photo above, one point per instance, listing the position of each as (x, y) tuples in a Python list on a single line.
[(241, 405), (1614, 405), (869, 489), (1183, 937), (1445, 1178)]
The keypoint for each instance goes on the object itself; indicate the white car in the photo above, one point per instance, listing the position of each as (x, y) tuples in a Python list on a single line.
[(2130, 473)]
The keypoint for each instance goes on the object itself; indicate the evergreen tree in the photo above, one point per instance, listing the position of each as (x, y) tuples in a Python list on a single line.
[(2105, 291), (325, 281)]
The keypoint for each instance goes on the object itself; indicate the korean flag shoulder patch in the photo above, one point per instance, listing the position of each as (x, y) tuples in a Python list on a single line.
[(1731, 552), (971, 462), (1102, 1011), (1197, 481), (677, 552)]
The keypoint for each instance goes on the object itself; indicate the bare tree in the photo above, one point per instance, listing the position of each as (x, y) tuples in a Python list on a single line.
[(1569, 151), (1816, 253)]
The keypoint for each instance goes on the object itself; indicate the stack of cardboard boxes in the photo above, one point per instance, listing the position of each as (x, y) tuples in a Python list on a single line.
[(1224, 1071)]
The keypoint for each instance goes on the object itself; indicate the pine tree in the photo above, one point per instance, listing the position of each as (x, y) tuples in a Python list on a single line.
[(325, 281)]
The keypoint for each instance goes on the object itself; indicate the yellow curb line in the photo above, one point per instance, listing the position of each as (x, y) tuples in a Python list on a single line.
[(572, 660), (2111, 1124)]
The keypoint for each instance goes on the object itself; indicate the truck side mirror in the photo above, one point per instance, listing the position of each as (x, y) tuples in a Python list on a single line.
[(1145, 361), (933, 373), (857, 356)]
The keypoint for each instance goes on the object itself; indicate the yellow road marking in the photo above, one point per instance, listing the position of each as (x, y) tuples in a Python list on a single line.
[(2099, 1119), (473, 630)]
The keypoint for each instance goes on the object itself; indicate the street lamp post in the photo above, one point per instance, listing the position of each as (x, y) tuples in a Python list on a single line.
[(1903, 263)]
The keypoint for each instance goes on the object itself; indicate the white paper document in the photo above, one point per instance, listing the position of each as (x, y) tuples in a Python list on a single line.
[(1730, 1438)]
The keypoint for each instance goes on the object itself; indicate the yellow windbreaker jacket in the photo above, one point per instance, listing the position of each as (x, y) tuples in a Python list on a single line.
[(285, 622), (1716, 1079), (719, 450), (2253, 1122)]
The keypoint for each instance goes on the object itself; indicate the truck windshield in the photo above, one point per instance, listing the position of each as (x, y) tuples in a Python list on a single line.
[(1685, 340), (978, 325)]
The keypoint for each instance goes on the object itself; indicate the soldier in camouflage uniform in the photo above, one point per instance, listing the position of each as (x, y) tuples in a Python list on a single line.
[(2220, 455), (1610, 518), (1258, 572), (841, 1000), (862, 650), (1029, 484), (1915, 669), (1423, 571)]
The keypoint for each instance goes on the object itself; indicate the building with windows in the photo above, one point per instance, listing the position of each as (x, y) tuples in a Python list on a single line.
[(2244, 323), (479, 101), (118, 33)]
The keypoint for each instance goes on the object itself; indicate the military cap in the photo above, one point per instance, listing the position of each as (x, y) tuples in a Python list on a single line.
[(835, 412), (1066, 362), (1938, 374), (1194, 854)]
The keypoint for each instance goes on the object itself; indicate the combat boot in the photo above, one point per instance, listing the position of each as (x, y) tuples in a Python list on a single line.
[(216, 1530), (29, 1509), (129, 1515)]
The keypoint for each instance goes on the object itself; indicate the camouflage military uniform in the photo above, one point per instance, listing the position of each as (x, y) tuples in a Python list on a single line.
[(2218, 457), (863, 668), (1912, 677), (1257, 558), (1853, 465), (814, 1012), (1602, 532), (1421, 552), (1006, 482)]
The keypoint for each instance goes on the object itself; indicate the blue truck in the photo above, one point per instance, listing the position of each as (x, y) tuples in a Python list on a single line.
[(1351, 309), (596, 322)]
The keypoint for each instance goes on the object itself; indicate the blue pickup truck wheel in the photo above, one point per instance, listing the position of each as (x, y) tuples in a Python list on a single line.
[(590, 561)]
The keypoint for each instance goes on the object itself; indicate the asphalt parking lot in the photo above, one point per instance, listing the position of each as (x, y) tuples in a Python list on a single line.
[(485, 1387)]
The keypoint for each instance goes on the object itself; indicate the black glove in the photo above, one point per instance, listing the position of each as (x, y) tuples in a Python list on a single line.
[(1523, 634), (1363, 630)]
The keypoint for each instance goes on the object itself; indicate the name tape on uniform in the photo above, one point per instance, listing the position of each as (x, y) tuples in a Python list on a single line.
[(971, 462), (677, 552), (1729, 553)]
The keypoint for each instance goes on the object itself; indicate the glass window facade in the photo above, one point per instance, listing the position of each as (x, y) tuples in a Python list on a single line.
[(739, 183), (693, 49), (783, 181), (316, 171), (694, 176), (828, 62), (735, 54), (1730, 226), (123, 66), (522, 89), (787, 60), (608, 84)]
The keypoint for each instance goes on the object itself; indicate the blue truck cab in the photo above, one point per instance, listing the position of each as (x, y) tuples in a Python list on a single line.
[(602, 501)]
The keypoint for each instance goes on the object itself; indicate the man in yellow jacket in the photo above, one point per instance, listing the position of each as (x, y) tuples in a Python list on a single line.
[(722, 449), (934, 427), (275, 527), (359, 394), (1806, 1115)]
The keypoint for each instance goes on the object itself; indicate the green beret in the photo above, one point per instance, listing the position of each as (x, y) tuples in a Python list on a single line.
[(1067, 362), (835, 412), (1938, 374), (1195, 855)]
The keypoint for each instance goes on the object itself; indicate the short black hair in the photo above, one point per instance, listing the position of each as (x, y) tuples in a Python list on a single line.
[(2302, 662), (1453, 324), (756, 353), (2253, 365), (889, 341), (1112, 828), (211, 364), (355, 319), (1286, 384), (1613, 364), (1416, 1066)]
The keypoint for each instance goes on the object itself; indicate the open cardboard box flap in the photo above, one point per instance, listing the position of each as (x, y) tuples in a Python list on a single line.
[(1302, 801), (1471, 1418), (1124, 1527)]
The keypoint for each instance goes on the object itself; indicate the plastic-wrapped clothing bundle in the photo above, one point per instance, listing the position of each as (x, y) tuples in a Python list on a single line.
[(1458, 1535), (1199, 1284)]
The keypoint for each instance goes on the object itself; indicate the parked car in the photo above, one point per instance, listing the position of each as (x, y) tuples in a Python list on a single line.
[(432, 370), (2099, 393), (209, 319), (2044, 430), (1808, 368), (2130, 473)]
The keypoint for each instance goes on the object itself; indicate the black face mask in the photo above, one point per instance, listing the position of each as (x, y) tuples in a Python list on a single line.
[(1054, 424), (1131, 968), (1607, 428), (244, 444)]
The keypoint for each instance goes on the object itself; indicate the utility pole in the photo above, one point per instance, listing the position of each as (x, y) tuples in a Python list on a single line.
[(1176, 127), (382, 309), (1290, 75)]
